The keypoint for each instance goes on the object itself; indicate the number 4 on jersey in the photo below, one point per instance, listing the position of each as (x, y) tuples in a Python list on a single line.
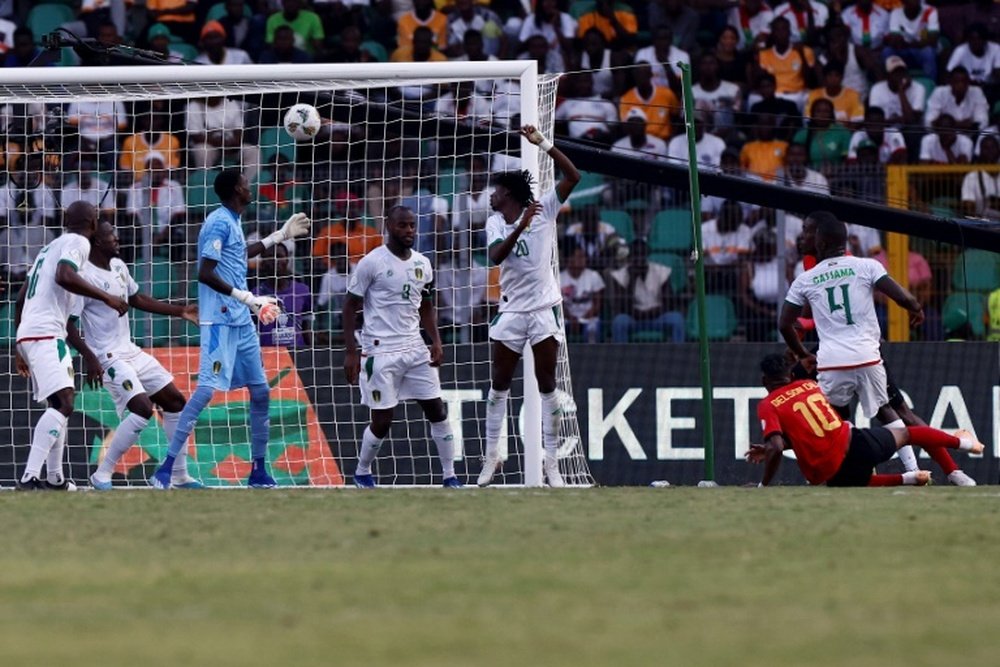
[(831, 296)]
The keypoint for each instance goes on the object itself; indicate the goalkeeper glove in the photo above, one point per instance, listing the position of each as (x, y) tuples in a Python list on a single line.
[(295, 226), (264, 307)]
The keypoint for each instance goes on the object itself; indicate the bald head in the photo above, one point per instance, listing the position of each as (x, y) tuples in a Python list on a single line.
[(831, 234), (81, 218)]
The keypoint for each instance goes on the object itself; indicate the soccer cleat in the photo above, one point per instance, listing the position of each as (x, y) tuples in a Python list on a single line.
[(977, 447), (552, 473), (160, 479), (364, 481), (64, 485), (33, 484), (186, 482), (959, 478), (452, 483), (491, 463), (99, 485), (261, 480)]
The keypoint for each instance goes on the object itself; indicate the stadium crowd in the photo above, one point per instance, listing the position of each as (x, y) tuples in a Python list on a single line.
[(813, 96)]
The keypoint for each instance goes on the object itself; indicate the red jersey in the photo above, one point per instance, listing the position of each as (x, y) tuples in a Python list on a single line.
[(800, 412)]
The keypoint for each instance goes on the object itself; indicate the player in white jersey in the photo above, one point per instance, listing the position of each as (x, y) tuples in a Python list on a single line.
[(42, 317), (392, 285), (134, 379), (521, 235)]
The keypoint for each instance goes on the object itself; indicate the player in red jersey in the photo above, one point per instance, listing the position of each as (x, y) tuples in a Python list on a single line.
[(796, 415)]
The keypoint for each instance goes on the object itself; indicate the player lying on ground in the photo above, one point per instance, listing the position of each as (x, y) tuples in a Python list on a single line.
[(41, 315), (895, 412), (796, 415), (393, 287), (230, 347), (134, 379), (521, 235)]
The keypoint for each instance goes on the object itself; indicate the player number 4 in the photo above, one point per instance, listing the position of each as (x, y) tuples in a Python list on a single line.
[(831, 296)]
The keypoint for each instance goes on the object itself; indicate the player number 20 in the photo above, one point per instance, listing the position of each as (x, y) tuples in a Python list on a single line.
[(521, 248), (818, 414), (831, 296)]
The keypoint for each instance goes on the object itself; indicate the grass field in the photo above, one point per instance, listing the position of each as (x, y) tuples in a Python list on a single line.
[(716, 577)]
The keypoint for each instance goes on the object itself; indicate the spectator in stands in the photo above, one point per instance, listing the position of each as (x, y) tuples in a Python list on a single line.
[(29, 213), (868, 24), (598, 239), (95, 191), (957, 17), (461, 285), (180, 16), (708, 146), (586, 114), (419, 50), (244, 29), (784, 114), (582, 292), (641, 298), (24, 51), (806, 18), (463, 104), (944, 144), (7, 29), (793, 65), (281, 196), (347, 232), (659, 103), (863, 177), (550, 61), (293, 327), (283, 50), (763, 281), (795, 173), (307, 25), (734, 65), (471, 207), (331, 295), (423, 15), (921, 283), (107, 34), (680, 18), (161, 40), (664, 58), (981, 189), (964, 102), (765, 154), (430, 210), (751, 19), (215, 130), (609, 78), (898, 96), (729, 165), (150, 135), (214, 50), (979, 55), (846, 102), (557, 27), (637, 142), (351, 48), (617, 24), (858, 63), (467, 15), (722, 98), (157, 202), (889, 144), (913, 36), (727, 242), (97, 122), (825, 140)]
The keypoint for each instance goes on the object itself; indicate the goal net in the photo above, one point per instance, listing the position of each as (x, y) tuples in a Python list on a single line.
[(144, 144)]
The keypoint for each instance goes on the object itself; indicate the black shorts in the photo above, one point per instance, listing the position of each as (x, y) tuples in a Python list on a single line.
[(868, 448)]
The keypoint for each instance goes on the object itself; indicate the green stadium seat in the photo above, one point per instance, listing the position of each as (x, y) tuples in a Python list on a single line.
[(925, 81), (452, 181), (184, 50), (200, 190), (976, 271), (8, 332), (974, 306), (375, 50), (720, 318), (218, 10), (621, 221), (44, 18), (275, 141), (648, 336), (160, 331), (636, 205), (678, 269), (671, 231), (588, 191), (162, 277)]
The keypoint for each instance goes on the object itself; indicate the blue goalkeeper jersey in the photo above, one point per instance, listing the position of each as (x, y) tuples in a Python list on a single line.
[(221, 238)]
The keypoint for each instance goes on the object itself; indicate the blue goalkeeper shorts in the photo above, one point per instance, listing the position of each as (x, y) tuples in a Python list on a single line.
[(230, 357)]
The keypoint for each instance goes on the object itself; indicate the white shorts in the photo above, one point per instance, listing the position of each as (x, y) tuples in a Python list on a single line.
[(515, 330), (127, 378), (51, 366), (390, 377), (868, 383)]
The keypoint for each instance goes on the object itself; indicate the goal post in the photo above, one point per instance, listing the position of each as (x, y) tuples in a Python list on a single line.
[(394, 132)]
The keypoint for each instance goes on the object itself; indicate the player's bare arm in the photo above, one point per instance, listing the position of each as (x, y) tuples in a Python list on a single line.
[(95, 372), (297, 225), (770, 454), (902, 296), (19, 363), (428, 322), (349, 320), (571, 176), (786, 325), (70, 280), (148, 304), (500, 251)]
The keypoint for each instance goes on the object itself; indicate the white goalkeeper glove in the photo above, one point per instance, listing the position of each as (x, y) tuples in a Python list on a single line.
[(295, 226), (264, 307)]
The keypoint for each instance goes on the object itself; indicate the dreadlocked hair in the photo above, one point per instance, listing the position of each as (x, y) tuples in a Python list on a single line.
[(518, 184)]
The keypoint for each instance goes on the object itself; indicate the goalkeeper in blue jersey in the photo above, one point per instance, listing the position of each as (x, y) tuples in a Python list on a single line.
[(230, 347)]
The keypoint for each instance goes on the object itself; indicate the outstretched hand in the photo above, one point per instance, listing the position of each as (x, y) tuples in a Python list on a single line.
[(756, 454), (190, 313), (531, 133), (295, 226)]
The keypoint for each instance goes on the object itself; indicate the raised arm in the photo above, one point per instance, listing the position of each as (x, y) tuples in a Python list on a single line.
[(349, 320), (571, 176), (886, 285), (70, 280), (295, 226)]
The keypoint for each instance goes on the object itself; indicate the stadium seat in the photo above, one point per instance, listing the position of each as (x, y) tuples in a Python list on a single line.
[(375, 50), (200, 190), (925, 81), (648, 336), (218, 10), (976, 271), (43, 19), (184, 50), (7, 330), (452, 181), (671, 231), (588, 191), (160, 331), (720, 318), (974, 305), (621, 221), (162, 277), (275, 141), (678, 269)]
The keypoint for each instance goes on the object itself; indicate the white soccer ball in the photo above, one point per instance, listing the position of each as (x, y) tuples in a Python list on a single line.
[(302, 122)]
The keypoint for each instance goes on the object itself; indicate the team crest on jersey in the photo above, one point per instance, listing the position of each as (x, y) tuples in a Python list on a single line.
[(419, 272), (376, 395), (216, 367), (127, 385), (217, 244)]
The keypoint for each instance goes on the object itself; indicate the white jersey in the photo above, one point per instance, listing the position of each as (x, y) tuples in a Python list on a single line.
[(392, 289), (840, 291), (108, 335), (527, 281), (47, 306)]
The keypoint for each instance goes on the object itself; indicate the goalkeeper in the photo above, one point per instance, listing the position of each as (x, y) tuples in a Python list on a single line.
[(230, 347)]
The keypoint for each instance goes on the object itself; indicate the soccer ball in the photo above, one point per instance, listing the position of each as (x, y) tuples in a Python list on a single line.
[(302, 122)]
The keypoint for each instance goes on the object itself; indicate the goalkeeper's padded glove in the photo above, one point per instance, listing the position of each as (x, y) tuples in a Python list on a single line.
[(295, 226), (539, 139), (264, 307)]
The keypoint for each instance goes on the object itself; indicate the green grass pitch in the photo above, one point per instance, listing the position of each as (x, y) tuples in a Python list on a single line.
[(687, 577)]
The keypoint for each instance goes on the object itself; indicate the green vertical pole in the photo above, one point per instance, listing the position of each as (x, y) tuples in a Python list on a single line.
[(708, 439)]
